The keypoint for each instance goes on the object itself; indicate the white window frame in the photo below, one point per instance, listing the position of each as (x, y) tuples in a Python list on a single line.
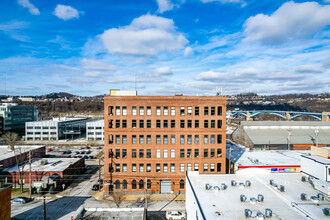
[(157, 153), (165, 155), (172, 153), (165, 110), (173, 110)]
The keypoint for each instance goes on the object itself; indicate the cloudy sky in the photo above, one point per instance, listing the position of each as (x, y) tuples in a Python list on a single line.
[(162, 47)]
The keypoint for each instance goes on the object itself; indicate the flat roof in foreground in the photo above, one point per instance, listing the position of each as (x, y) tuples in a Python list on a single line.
[(227, 202), (5, 153)]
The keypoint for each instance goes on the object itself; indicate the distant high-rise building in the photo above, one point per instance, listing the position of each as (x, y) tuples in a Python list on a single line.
[(151, 141)]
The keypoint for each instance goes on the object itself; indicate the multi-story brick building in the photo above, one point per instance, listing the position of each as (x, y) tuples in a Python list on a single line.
[(150, 141)]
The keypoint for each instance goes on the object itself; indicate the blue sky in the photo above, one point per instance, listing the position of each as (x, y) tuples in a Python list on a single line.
[(162, 47)]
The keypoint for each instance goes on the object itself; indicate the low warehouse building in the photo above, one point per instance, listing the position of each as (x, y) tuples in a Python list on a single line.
[(282, 135)]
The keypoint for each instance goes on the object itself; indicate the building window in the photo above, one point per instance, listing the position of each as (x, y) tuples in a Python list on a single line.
[(189, 124), (117, 153), (196, 139), (219, 153), (148, 153), (219, 123), (133, 110), (218, 167), (206, 139), (212, 139), (181, 167), (219, 139), (141, 123), (117, 184), (148, 168), (165, 110), (158, 153), (124, 123), (148, 139), (181, 123), (141, 139), (181, 139), (212, 167), (141, 168), (206, 167), (219, 110), (117, 168), (133, 153), (124, 110), (212, 153), (158, 110), (134, 167), (212, 110), (206, 110), (196, 110), (110, 139), (212, 123), (133, 123), (133, 139), (124, 153), (148, 110), (172, 153), (157, 167), (173, 139), (158, 124), (124, 184), (172, 110), (165, 124), (172, 167), (206, 123), (189, 139), (189, 153), (206, 153), (124, 139), (189, 166), (196, 153), (124, 168), (157, 139), (141, 153), (148, 184), (117, 123), (172, 123), (165, 153), (165, 139), (181, 184), (181, 153), (148, 123), (134, 184), (117, 110), (165, 170), (196, 168), (182, 111), (117, 139), (189, 110), (141, 110)]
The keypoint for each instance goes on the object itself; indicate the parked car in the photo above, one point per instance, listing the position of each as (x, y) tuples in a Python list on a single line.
[(91, 157), (76, 152), (79, 156), (171, 215), (95, 187), (82, 152), (63, 152), (86, 157), (20, 200), (49, 149), (68, 151)]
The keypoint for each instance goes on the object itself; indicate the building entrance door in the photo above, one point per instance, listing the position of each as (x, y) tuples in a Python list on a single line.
[(165, 186)]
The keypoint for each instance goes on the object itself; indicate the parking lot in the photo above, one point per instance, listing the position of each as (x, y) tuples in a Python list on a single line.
[(89, 153)]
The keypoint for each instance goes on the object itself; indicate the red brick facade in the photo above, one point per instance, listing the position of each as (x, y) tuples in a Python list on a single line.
[(150, 139)]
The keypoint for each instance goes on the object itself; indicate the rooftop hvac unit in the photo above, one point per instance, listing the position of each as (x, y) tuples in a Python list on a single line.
[(281, 188), (326, 211), (271, 182), (241, 185), (223, 186), (303, 179), (303, 196), (253, 200), (320, 196), (268, 213), (43, 162), (233, 183), (216, 188), (260, 198), (315, 199), (207, 186), (247, 183), (243, 198), (260, 216), (248, 213)]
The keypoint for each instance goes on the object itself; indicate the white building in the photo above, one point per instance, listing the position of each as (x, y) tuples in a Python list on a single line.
[(254, 193), (55, 129), (95, 130)]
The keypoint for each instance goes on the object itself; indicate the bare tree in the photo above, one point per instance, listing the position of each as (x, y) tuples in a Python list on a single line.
[(12, 139), (117, 197)]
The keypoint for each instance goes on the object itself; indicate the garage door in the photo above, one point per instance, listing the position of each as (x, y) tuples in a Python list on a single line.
[(165, 186)]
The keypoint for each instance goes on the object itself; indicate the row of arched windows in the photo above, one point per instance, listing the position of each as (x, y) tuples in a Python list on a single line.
[(139, 184)]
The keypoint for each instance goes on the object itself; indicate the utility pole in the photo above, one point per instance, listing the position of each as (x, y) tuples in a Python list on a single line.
[(99, 170), (30, 175), (230, 149), (146, 200), (316, 137), (44, 208), (289, 135)]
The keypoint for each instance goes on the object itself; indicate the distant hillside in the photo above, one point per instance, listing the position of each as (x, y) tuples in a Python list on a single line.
[(58, 95)]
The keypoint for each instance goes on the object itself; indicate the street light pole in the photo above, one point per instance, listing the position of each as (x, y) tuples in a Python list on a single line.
[(44, 208), (30, 175)]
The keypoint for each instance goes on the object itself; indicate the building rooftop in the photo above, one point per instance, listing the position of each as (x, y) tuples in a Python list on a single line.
[(319, 159), (227, 202), (5, 153), (53, 164), (96, 121), (61, 119)]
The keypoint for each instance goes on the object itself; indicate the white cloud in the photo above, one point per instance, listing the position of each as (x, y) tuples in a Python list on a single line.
[(309, 69), (243, 3), (26, 4), (147, 35), (164, 71), (92, 74), (188, 51), (72, 68), (97, 65), (291, 20), (65, 12), (13, 29), (164, 5)]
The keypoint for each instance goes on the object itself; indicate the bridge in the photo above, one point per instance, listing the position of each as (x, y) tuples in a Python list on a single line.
[(324, 116)]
